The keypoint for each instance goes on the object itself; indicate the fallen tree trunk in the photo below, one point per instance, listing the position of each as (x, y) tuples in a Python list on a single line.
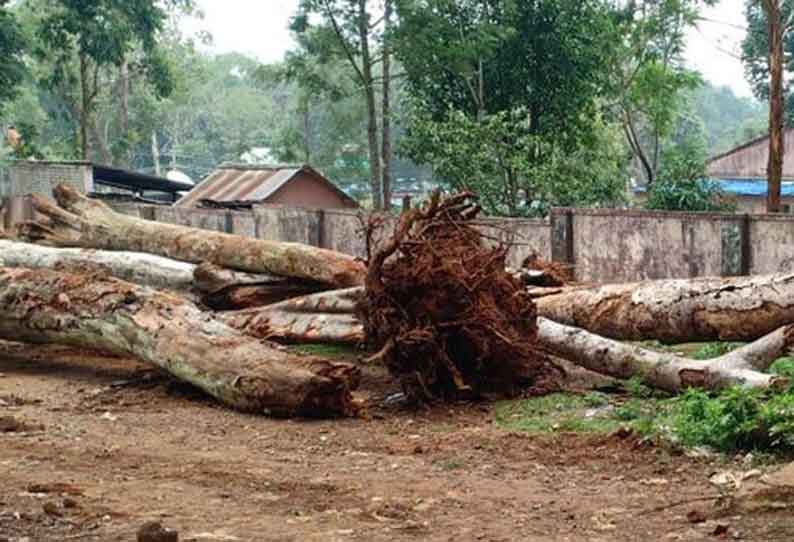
[(666, 371), (328, 317), (215, 287), (92, 311), (324, 317), (677, 311), (82, 222), (144, 269)]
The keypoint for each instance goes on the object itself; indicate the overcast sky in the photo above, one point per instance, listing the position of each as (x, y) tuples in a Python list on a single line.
[(259, 28)]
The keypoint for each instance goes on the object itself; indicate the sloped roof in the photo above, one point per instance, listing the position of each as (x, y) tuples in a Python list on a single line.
[(749, 160), (241, 183)]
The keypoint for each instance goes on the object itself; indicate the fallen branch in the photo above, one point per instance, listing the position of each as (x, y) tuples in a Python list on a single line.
[(663, 370), (225, 289), (93, 311), (87, 223), (323, 317)]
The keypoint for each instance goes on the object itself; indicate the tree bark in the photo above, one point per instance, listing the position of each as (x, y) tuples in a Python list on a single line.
[(156, 153), (45, 306), (676, 311), (776, 106), (323, 317), (372, 115), (88, 223)]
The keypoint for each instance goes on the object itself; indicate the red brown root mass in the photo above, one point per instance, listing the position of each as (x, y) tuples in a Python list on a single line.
[(447, 319)]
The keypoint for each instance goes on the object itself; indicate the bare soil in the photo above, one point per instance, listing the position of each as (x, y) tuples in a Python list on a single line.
[(101, 445)]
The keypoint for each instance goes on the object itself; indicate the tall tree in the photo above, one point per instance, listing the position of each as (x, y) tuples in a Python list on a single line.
[(650, 79), (767, 39), (351, 32), (83, 37), (12, 68), (506, 96)]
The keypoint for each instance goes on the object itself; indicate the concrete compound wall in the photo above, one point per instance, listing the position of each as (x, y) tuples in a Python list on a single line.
[(602, 245)]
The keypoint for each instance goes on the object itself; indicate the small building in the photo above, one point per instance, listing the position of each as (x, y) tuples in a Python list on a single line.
[(741, 172), (24, 177), (242, 185)]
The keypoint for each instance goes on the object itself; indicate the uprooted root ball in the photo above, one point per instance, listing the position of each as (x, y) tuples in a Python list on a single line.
[(447, 319)]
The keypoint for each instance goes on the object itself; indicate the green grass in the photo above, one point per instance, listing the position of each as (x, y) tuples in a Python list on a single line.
[(783, 367), (714, 350), (569, 413), (325, 350)]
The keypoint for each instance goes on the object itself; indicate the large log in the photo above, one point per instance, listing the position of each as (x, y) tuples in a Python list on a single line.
[(87, 223), (676, 311), (93, 311), (215, 287)]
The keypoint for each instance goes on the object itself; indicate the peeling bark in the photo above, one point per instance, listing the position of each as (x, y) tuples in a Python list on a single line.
[(676, 311), (90, 311), (82, 222), (324, 317)]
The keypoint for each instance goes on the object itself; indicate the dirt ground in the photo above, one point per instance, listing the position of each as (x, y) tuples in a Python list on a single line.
[(110, 444)]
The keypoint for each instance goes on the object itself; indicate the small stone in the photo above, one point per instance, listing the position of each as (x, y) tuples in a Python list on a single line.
[(153, 531), (720, 529), (50, 508), (68, 502), (695, 516)]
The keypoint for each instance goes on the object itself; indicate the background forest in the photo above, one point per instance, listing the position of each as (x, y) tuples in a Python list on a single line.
[(530, 103)]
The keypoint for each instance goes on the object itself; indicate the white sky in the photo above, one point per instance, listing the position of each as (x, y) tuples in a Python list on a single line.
[(259, 28)]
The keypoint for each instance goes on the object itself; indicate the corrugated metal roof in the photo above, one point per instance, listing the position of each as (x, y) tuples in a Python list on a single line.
[(236, 183), (744, 187)]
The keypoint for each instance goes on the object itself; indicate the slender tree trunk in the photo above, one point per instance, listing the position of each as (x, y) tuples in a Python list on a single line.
[(124, 102), (85, 108), (776, 106), (307, 137), (156, 153), (45, 306), (387, 152), (88, 223), (372, 114)]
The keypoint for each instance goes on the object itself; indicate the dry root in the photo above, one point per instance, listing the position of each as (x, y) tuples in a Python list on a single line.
[(445, 316)]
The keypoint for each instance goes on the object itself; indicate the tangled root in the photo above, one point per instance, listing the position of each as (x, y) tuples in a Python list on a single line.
[(448, 320)]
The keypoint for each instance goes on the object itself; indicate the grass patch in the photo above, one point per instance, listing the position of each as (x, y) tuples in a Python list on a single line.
[(783, 367), (325, 350), (568, 413), (714, 350)]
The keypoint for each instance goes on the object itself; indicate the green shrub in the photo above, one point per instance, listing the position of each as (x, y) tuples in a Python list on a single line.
[(736, 419)]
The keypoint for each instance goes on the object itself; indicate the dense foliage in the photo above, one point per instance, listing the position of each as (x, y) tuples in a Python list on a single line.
[(11, 47), (530, 103)]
